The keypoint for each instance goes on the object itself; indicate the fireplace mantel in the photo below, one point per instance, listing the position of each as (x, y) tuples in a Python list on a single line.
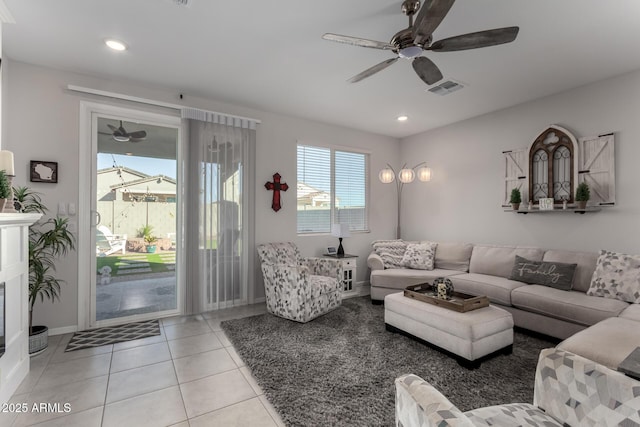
[(14, 272)]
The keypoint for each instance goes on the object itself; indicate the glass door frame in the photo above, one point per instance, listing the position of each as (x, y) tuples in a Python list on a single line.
[(89, 113)]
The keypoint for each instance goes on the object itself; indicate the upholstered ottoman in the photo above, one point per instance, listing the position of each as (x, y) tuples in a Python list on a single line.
[(470, 337)]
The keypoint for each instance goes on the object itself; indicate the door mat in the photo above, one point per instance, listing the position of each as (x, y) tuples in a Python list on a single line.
[(113, 334)]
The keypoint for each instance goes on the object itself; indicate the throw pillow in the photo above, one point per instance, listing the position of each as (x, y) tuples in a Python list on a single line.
[(616, 276), (420, 256), (391, 252), (557, 275)]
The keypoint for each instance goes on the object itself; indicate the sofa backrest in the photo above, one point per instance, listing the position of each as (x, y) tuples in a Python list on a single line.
[(584, 271), (453, 256), (579, 392), (499, 260)]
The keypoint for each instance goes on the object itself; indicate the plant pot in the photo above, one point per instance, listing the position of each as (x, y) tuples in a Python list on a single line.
[(582, 204), (38, 340), (151, 249), (515, 206)]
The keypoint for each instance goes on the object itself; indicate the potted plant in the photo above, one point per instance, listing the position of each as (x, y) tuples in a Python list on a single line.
[(582, 195), (5, 189), (515, 199), (146, 232), (48, 240)]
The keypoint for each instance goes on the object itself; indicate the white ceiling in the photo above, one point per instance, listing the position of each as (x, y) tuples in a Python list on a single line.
[(269, 55)]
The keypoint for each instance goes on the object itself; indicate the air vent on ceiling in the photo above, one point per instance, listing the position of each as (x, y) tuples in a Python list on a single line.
[(446, 88), (181, 2)]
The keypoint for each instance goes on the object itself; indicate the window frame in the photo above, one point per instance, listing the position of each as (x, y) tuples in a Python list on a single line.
[(332, 188)]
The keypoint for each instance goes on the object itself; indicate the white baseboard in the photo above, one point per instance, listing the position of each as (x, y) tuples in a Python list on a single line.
[(63, 330), (360, 289)]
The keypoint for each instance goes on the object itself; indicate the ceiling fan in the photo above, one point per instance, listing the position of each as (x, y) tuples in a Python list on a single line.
[(411, 42), (121, 135)]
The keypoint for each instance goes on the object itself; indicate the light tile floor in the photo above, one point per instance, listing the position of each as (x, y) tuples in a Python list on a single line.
[(190, 375)]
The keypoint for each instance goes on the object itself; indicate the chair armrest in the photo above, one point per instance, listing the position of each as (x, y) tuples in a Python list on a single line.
[(329, 267), (374, 262), (419, 404), (286, 278)]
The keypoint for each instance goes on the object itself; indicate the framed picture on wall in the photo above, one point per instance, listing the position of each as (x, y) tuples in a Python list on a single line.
[(546, 204), (41, 171)]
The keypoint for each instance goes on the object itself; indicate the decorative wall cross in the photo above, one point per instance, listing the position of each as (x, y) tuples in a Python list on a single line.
[(276, 186)]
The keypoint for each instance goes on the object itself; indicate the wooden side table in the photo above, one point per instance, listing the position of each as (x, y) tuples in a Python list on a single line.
[(349, 267)]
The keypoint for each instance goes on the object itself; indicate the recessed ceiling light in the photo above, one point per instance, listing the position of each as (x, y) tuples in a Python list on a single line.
[(403, 118), (115, 44), (129, 154)]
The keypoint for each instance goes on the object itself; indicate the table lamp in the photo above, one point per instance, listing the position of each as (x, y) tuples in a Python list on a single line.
[(340, 231)]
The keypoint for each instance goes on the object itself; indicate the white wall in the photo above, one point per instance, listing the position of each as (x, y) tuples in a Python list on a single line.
[(463, 201), (41, 122)]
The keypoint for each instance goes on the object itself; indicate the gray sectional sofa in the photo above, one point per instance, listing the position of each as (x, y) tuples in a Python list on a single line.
[(480, 269)]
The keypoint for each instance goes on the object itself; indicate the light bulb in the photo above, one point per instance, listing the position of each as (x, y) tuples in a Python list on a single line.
[(386, 176), (424, 174), (406, 176)]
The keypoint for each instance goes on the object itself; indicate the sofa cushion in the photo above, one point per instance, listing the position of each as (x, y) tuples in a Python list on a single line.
[(498, 260), (453, 256), (419, 255), (401, 278), (616, 276), (608, 342), (632, 312), (571, 306), (584, 271), (498, 289), (557, 275), (391, 252)]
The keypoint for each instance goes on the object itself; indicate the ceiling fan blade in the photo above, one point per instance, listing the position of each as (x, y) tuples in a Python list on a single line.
[(112, 127), (476, 40), (139, 134), (429, 17), (371, 71), (356, 41), (105, 133), (426, 70)]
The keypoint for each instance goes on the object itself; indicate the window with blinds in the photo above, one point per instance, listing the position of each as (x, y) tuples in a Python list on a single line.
[(331, 189)]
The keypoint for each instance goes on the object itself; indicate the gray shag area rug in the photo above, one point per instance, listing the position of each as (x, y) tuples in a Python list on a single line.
[(339, 369)]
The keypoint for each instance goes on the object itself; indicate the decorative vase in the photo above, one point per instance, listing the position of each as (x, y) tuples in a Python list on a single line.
[(443, 287), (515, 206), (151, 249), (38, 340), (582, 204)]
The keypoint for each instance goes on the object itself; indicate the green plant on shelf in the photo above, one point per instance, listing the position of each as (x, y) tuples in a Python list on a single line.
[(583, 194), (516, 197)]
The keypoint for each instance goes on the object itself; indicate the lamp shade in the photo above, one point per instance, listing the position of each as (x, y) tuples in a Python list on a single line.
[(424, 174), (340, 230), (386, 176), (406, 175), (6, 162)]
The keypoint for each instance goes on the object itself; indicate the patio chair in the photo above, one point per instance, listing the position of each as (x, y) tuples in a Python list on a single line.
[(297, 288), (108, 243)]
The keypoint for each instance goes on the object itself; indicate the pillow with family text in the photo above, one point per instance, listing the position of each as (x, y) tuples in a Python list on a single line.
[(557, 275), (616, 276)]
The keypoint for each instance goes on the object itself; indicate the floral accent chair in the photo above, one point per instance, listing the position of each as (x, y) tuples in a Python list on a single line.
[(569, 391), (297, 288)]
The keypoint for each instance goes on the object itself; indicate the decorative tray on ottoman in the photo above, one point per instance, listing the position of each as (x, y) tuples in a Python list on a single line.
[(457, 301)]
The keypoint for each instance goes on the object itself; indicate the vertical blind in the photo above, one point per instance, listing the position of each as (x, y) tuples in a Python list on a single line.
[(331, 188)]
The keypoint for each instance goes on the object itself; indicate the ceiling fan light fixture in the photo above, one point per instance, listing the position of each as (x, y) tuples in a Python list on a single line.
[(410, 52), (116, 44), (402, 118), (121, 138)]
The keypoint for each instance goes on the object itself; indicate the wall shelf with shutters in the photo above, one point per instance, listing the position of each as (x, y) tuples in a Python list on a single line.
[(588, 209)]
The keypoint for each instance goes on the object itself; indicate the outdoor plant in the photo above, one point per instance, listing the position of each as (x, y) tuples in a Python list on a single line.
[(582, 192), (48, 240), (5, 189), (146, 232)]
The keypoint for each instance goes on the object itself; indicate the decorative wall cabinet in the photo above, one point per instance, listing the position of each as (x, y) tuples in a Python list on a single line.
[(556, 162)]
